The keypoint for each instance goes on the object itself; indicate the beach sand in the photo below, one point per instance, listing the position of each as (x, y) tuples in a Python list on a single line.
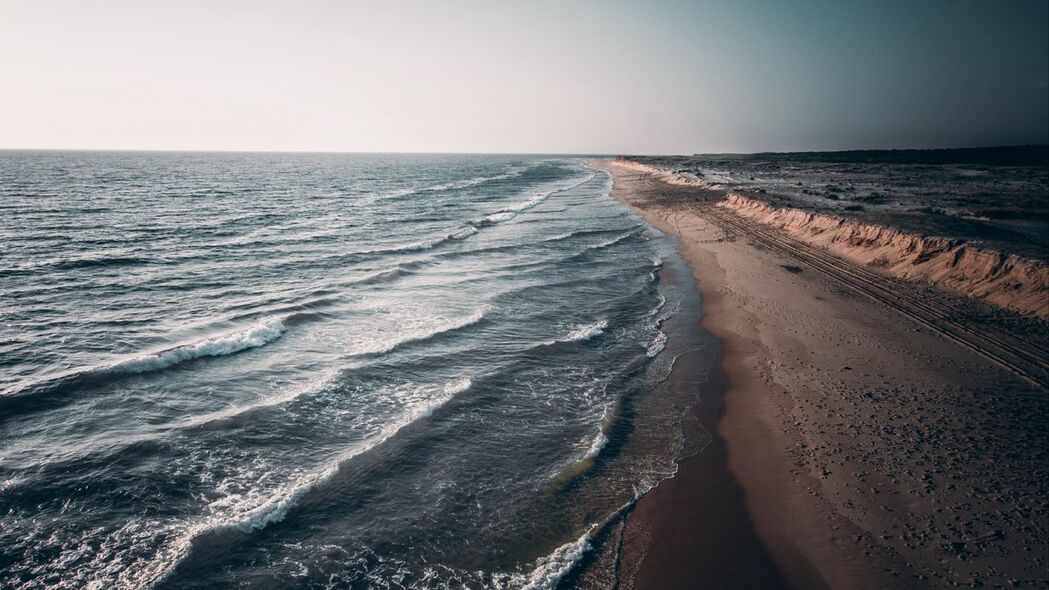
[(864, 449)]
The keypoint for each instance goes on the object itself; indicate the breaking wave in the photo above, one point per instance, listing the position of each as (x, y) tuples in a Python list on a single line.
[(227, 344), (424, 332), (256, 336), (447, 186), (550, 569), (585, 332)]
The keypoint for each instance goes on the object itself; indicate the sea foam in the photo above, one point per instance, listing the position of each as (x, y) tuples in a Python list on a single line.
[(423, 330), (235, 514), (258, 335), (508, 213), (226, 344), (550, 569), (445, 186), (287, 497), (657, 345), (585, 331)]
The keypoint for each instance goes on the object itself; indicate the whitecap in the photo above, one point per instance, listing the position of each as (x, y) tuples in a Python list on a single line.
[(234, 513), (598, 444), (426, 329), (287, 497), (288, 395), (258, 335), (611, 242), (550, 569), (657, 345), (585, 331), (512, 211), (444, 186)]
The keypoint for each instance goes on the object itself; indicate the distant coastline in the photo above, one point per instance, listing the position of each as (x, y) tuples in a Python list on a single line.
[(1007, 155)]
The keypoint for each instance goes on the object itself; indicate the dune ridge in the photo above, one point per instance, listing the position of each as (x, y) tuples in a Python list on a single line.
[(1005, 280), (998, 278), (667, 176)]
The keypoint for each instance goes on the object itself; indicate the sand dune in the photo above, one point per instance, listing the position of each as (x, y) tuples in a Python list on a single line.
[(1003, 279)]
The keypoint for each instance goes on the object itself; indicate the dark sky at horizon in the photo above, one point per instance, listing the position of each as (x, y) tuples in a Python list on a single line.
[(666, 76)]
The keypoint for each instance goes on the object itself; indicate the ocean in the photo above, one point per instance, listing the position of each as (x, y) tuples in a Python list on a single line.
[(327, 370)]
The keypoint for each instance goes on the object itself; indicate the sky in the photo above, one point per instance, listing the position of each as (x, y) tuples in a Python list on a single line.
[(609, 77)]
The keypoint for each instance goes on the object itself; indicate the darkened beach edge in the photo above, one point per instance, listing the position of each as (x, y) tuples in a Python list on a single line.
[(692, 530)]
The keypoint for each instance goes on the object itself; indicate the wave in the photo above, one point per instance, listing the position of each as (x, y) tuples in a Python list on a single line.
[(287, 497), (612, 242), (578, 233), (424, 333), (227, 344), (102, 261), (90, 263), (585, 331), (280, 502), (608, 421), (512, 211), (512, 247), (471, 227), (382, 276), (657, 345), (177, 541), (662, 300), (576, 467), (289, 395), (446, 186), (550, 569), (459, 234)]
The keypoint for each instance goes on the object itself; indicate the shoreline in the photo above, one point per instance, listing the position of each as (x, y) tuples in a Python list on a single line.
[(834, 505), (695, 529), (624, 553)]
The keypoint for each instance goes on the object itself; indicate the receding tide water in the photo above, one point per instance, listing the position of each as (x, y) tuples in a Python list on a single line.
[(282, 370)]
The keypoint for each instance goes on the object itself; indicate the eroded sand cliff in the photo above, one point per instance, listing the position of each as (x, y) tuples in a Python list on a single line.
[(997, 277), (1003, 279)]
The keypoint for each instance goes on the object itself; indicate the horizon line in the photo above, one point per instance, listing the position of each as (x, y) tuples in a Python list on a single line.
[(500, 153)]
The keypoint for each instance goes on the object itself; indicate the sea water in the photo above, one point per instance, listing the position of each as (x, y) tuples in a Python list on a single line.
[(323, 370)]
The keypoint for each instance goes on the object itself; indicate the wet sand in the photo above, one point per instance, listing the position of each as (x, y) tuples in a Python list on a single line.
[(708, 535), (862, 449)]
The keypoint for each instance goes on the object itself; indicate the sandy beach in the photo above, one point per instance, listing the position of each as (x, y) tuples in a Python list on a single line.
[(868, 449)]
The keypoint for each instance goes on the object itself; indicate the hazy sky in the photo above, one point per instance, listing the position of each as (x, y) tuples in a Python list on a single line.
[(500, 76)]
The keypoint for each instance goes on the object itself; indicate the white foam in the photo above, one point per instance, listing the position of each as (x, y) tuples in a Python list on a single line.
[(234, 511), (559, 237), (458, 386), (601, 439), (424, 329), (659, 306), (586, 331), (258, 335), (612, 242), (428, 244), (550, 569), (464, 233), (597, 445), (657, 345), (288, 395), (465, 183), (512, 211), (285, 498)]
